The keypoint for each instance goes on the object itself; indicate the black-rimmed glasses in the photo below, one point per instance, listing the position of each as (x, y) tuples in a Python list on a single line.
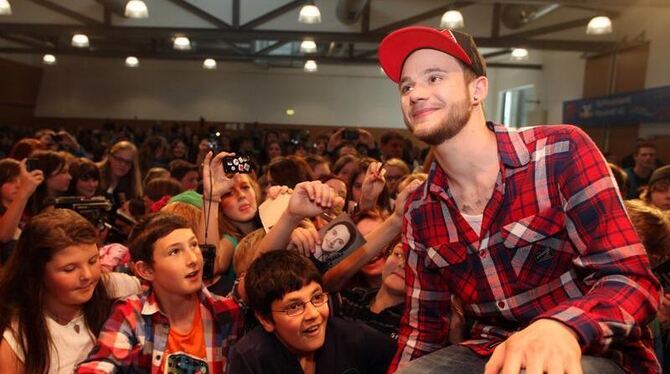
[(297, 308)]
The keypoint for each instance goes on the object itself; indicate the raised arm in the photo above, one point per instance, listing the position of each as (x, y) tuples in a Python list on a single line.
[(9, 222), (308, 199), (215, 184), (336, 277)]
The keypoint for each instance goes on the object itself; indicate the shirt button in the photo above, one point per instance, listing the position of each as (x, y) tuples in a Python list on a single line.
[(501, 304), (482, 253)]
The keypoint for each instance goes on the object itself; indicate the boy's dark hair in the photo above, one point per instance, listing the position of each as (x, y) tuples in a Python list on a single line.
[(179, 168), (644, 145), (274, 274), (148, 231), (159, 187)]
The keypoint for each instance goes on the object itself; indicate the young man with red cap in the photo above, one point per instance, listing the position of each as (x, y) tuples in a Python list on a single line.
[(525, 227)]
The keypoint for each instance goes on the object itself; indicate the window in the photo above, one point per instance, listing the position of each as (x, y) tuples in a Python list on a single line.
[(515, 104)]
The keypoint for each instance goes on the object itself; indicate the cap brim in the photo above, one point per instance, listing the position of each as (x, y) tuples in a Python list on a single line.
[(398, 45)]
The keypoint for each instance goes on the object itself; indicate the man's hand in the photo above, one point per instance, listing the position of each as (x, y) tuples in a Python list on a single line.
[(544, 346)]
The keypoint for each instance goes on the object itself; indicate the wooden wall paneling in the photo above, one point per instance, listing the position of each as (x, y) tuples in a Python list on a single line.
[(597, 75), (20, 85), (631, 69), (622, 140)]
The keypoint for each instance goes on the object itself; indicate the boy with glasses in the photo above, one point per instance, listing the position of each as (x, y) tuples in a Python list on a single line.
[(296, 335)]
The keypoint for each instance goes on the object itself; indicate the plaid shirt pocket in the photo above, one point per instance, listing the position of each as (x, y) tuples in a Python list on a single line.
[(538, 245)]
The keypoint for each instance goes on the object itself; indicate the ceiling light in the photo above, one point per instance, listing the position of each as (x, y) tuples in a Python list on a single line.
[(5, 8), (136, 9), (308, 46), (132, 62), (310, 66), (310, 14), (49, 59), (519, 54), (80, 41), (452, 19), (290, 112), (209, 64), (599, 26), (182, 43)]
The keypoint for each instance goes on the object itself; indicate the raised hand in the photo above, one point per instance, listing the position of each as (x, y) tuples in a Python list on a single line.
[(214, 180), (373, 185), (30, 180), (310, 199)]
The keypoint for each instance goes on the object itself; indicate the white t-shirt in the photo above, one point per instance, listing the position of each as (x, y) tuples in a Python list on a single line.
[(73, 341), (475, 221)]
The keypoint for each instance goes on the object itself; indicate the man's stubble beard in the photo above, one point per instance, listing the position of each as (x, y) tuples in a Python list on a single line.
[(458, 115)]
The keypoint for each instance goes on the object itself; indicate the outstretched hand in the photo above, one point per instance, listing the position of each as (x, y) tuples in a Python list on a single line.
[(401, 199), (310, 199)]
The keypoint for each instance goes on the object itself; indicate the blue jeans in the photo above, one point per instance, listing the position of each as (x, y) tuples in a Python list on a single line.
[(461, 360)]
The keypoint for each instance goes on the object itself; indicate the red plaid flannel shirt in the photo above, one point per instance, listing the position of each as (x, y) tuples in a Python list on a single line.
[(134, 338), (555, 243)]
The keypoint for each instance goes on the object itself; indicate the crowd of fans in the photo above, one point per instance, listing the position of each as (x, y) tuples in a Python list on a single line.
[(151, 213)]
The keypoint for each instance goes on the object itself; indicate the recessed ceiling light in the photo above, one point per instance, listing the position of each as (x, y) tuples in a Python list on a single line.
[(310, 66), (182, 43), (308, 46), (599, 26), (49, 59), (309, 14), (5, 8), (136, 9), (132, 62), (209, 64), (451, 20), (519, 54), (80, 41)]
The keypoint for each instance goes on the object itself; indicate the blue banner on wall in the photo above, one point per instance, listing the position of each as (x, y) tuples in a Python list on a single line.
[(646, 106)]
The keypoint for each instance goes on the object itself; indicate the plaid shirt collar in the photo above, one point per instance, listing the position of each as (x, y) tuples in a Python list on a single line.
[(511, 148), (151, 306)]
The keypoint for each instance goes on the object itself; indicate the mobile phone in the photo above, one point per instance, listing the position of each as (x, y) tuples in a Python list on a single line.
[(350, 135), (208, 257), (236, 164), (32, 164)]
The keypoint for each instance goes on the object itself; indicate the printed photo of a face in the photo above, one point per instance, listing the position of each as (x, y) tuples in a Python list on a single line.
[(338, 238)]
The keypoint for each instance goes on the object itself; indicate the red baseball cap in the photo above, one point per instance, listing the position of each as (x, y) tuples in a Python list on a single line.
[(398, 45)]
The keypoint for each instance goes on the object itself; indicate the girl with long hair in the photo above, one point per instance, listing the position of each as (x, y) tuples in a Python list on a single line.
[(120, 176), (57, 179), (238, 216), (53, 303)]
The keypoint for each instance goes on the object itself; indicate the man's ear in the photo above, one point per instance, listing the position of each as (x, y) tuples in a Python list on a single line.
[(267, 324), (144, 271), (480, 89)]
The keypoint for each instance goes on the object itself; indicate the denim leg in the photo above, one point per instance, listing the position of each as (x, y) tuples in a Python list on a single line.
[(452, 359), (461, 360)]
